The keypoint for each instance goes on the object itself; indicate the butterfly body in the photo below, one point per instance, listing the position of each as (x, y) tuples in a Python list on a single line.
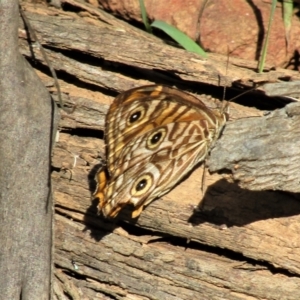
[(155, 135)]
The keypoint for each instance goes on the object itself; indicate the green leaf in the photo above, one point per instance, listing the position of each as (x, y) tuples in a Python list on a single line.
[(144, 17), (181, 38)]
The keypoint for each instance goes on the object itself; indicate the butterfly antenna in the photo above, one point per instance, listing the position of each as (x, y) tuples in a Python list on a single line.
[(225, 106), (227, 64)]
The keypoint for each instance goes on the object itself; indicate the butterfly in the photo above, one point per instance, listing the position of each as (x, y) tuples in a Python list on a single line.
[(155, 135)]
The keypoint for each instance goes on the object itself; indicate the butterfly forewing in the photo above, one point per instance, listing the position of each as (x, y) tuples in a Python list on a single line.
[(154, 135)]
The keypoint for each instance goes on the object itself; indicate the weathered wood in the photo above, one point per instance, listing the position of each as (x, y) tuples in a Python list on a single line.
[(262, 153), (241, 242), (27, 119), (260, 227), (141, 53), (120, 265)]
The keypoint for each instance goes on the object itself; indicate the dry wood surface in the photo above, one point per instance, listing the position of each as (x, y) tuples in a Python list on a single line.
[(238, 240)]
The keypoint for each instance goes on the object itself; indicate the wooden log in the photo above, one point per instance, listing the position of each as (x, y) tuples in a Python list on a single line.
[(230, 243)]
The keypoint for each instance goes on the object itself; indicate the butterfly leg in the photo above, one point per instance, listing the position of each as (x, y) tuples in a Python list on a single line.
[(203, 177)]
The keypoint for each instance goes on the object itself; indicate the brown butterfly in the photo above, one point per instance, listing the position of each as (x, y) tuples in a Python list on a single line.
[(155, 135)]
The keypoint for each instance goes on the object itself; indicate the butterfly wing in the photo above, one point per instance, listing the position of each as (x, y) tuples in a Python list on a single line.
[(155, 135)]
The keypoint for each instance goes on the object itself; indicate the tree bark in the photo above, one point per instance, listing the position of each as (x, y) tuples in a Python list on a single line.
[(267, 156), (231, 242), (26, 122)]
